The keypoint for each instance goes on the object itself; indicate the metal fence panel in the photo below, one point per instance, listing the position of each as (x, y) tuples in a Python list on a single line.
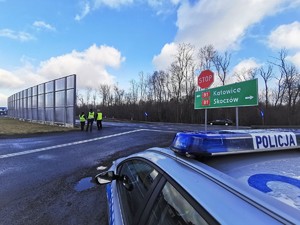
[(52, 102)]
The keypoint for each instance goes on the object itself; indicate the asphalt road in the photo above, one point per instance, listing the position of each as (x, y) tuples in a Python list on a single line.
[(46, 179)]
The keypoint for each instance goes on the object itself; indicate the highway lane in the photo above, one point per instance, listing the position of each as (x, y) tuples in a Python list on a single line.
[(39, 174), (10, 145)]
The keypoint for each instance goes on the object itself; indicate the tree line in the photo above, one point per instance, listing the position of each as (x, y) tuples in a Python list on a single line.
[(168, 96)]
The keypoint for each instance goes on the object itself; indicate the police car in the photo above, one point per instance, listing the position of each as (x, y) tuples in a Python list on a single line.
[(3, 110), (219, 177)]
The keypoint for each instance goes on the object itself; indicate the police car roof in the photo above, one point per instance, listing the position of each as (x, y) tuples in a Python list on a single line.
[(268, 170), (275, 173), (234, 141), (260, 178), (235, 184)]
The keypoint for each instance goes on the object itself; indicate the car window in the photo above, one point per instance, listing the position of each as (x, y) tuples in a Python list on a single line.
[(139, 178), (171, 208)]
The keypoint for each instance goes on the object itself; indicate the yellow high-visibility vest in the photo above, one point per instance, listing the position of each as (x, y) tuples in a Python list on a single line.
[(91, 115), (82, 118), (99, 116)]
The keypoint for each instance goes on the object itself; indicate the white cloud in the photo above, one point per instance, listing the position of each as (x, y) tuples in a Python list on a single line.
[(222, 23), (285, 36), (88, 6), (166, 56), (119, 3), (20, 36), (295, 59), (242, 69), (19, 79), (112, 3), (43, 25), (85, 11), (163, 6), (246, 64), (9, 80), (14, 81), (90, 66), (160, 6), (3, 100)]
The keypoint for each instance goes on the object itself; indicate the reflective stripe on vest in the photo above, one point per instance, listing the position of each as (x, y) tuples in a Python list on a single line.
[(99, 116), (82, 118), (91, 115)]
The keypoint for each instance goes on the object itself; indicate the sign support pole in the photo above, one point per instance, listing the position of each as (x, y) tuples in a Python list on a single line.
[(237, 117), (205, 80), (205, 122)]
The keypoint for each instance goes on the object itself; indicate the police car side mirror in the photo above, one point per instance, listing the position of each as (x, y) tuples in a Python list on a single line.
[(105, 177)]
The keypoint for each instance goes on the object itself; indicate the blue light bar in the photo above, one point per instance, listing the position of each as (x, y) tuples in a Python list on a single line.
[(235, 141)]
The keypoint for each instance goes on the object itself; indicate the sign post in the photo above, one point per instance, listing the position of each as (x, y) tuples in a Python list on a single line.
[(205, 80), (237, 117)]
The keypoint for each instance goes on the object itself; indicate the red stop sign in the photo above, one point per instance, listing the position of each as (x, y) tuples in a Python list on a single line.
[(205, 79)]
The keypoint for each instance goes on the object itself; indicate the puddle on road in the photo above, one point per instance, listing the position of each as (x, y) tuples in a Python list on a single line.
[(84, 184)]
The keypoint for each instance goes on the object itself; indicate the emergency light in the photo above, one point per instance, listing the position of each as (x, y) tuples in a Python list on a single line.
[(234, 141)]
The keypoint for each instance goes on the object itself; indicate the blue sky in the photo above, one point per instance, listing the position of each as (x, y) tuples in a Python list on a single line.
[(112, 41)]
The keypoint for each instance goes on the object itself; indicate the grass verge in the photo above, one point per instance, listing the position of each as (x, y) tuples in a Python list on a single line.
[(12, 127)]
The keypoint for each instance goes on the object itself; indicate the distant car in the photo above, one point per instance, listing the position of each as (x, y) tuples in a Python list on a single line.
[(3, 111), (203, 178), (225, 122)]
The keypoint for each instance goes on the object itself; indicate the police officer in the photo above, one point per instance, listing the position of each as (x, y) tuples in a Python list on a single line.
[(82, 120), (99, 119), (91, 117)]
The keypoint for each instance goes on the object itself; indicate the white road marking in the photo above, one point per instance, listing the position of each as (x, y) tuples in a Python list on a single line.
[(73, 143)]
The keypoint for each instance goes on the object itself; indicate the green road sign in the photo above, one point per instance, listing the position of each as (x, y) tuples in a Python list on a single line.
[(232, 95)]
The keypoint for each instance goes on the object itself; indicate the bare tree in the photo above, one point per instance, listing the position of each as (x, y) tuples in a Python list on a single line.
[(279, 91), (110, 99), (142, 85), (94, 97), (79, 97), (119, 95), (267, 75), (246, 74), (296, 97), (205, 56), (158, 85), (182, 78), (150, 90), (167, 95), (88, 95), (128, 98), (104, 92), (133, 95), (153, 85), (288, 87), (192, 86), (184, 60), (168, 86), (221, 64), (176, 81)]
